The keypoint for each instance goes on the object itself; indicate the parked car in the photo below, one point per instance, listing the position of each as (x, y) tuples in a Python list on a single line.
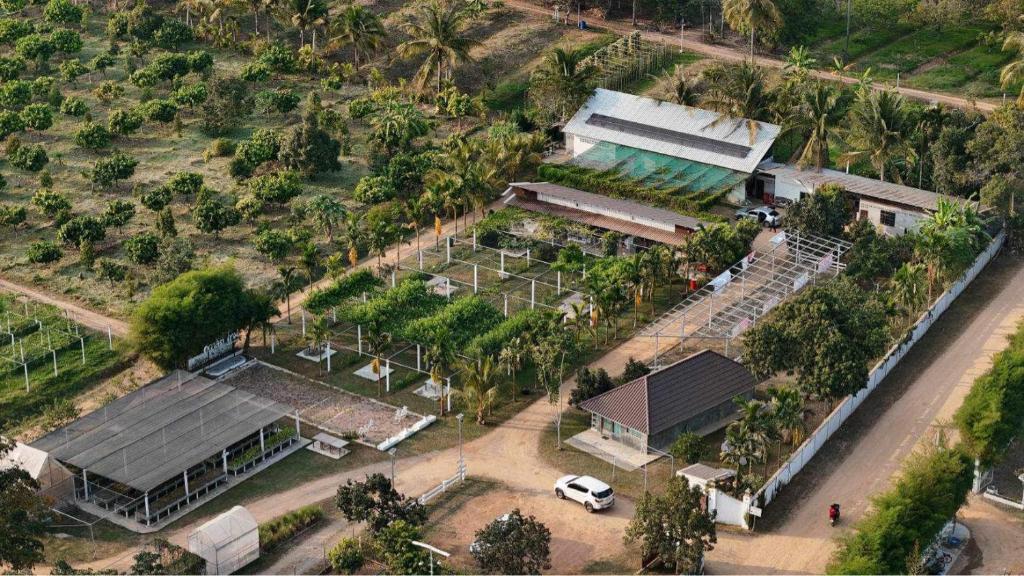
[(587, 490), (764, 215)]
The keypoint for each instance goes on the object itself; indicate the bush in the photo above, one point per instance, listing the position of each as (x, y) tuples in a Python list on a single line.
[(156, 199), (11, 29), (44, 252), (283, 528), (276, 188), (281, 101), (117, 166), (70, 70), (190, 95), (159, 111), (11, 68), (185, 184), (81, 229), (28, 157), (118, 213), (277, 57), (62, 12), (142, 248), (172, 33), (10, 122), (219, 148), (37, 116), (12, 215), (689, 447), (490, 343), (374, 190), (933, 485), (14, 95), (124, 122), (93, 136), (34, 47), (261, 147), (51, 203), (347, 287), (273, 244), (66, 41), (73, 106), (347, 556)]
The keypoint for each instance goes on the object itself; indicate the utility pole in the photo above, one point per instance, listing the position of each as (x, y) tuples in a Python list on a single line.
[(846, 50)]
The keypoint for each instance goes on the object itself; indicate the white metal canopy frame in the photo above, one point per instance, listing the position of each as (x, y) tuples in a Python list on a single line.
[(734, 300)]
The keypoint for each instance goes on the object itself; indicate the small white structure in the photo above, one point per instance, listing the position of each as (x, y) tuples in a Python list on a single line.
[(55, 481), (228, 542), (328, 445), (701, 474)]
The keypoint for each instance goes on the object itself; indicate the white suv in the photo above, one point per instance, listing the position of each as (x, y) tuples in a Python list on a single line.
[(587, 490)]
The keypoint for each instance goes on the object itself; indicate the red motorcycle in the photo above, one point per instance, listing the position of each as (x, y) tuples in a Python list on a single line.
[(833, 514)]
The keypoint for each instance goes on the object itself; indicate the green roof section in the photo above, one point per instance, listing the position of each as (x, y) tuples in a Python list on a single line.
[(693, 179)]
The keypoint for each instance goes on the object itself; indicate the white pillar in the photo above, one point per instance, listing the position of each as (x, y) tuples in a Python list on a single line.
[(54, 362), (185, 476), (448, 287), (85, 480), (393, 280), (506, 304), (448, 382), (82, 342), (298, 426), (448, 249), (387, 375), (359, 337), (558, 282), (502, 275), (474, 239), (533, 293), (146, 500), (328, 356), (263, 446), (110, 338), (224, 458), (303, 321), (419, 257), (273, 341), (474, 278), (419, 357)]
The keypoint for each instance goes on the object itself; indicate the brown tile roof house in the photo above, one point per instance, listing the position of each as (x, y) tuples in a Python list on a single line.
[(690, 395)]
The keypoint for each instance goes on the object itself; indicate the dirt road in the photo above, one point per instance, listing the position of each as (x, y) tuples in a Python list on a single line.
[(998, 534), (91, 318), (861, 459), (691, 41)]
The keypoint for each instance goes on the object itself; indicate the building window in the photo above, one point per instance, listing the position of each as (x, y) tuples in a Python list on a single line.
[(887, 218)]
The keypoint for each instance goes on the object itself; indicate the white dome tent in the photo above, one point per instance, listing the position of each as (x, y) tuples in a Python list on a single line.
[(228, 542)]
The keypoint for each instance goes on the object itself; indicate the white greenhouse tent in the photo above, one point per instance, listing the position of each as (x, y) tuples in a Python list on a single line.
[(228, 542), (55, 481)]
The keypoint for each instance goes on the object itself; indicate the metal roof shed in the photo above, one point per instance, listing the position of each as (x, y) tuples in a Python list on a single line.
[(228, 542)]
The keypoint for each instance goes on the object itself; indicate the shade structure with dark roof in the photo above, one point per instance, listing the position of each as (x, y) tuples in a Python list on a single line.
[(690, 394), (153, 434), (623, 216)]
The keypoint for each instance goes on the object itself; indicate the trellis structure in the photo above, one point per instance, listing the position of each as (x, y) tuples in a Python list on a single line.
[(734, 300), (627, 60)]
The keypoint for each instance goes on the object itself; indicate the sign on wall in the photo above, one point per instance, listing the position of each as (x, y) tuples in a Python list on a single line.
[(213, 351)]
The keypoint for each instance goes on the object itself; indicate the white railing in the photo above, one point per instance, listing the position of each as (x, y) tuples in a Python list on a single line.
[(458, 478), (796, 462)]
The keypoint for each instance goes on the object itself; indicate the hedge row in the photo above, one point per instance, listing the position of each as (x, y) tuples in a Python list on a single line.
[(456, 323), (392, 310), (905, 520), (993, 411), (283, 528), (491, 342), (349, 286)]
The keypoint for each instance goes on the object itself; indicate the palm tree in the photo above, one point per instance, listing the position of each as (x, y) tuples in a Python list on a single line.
[(679, 88), (359, 28), (446, 187), (286, 285), (799, 64), (416, 210), (310, 262), (317, 336), (752, 15), (564, 80), (880, 131), (378, 342), (379, 238), (822, 108), (633, 272), (739, 93), (787, 410), (908, 288), (1014, 71), (437, 30), (260, 314), (353, 236), (478, 389), (511, 359), (304, 14), (440, 356)]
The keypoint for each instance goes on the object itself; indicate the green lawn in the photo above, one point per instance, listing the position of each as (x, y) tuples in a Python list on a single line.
[(914, 50)]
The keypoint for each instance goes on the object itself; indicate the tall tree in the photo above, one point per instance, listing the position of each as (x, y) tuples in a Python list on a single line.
[(513, 544), (752, 16), (1013, 73), (478, 390), (740, 94), (304, 14), (21, 516), (359, 28), (880, 132), (437, 30), (673, 527), (821, 109), (562, 82)]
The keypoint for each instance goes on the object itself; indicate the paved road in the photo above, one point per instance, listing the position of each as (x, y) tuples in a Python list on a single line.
[(861, 459), (691, 41)]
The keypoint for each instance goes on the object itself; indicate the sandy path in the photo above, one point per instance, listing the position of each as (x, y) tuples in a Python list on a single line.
[(998, 534), (91, 318), (691, 41)]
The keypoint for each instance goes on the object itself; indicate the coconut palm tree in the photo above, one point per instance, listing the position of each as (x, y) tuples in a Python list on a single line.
[(358, 27), (511, 359), (787, 410), (880, 131), (679, 88), (378, 341), (304, 14), (1013, 72), (379, 237), (310, 262), (260, 314), (563, 81), (799, 64), (353, 235), (908, 288), (822, 109), (740, 94), (437, 30), (317, 336), (478, 389), (440, 356), (752, 15)]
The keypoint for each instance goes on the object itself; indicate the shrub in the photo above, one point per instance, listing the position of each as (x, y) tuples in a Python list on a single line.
[(117, 166), (34, 47), (261, 147), (28, 157), (346, 556), (142, 248), (44, 252), (81, 228), (62, 12), (93, 136), (255, 72), (156, 199), (37, 116), (14, 95), (273, 244), (374, 190), (276, 188), (190, 95), (283, 528), (199, 61), (124, 122), (70, 70), (282, 101), (12, 29), (10, 122), (111, 270), (185, 183), (11, 67), (51, 203), (66, 41), (349, 286), (12, 215), (590, 383), (172, 33), (277, 57), (210, 215), (73, 106), (118, 213), (689, 447), (227, 103), (159, 111), (310, 149), (220, 147)]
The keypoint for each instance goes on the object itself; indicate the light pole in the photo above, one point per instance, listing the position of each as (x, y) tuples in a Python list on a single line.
[(459, 417), (846, 50), (432, 550), (392, 453)]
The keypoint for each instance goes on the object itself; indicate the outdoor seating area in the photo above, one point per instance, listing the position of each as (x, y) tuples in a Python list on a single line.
[(328, 445)]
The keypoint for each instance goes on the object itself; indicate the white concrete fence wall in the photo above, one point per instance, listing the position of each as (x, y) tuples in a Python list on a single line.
[(796, 462)]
